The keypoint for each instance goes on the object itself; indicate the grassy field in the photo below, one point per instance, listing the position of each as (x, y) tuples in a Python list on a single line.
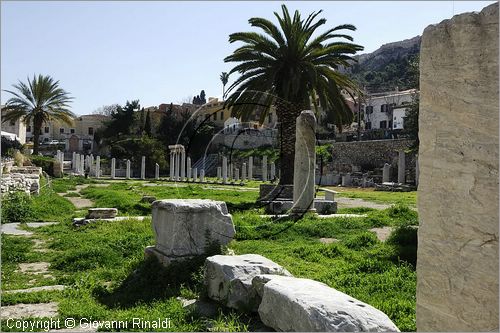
[(405, 198), (103, 263)]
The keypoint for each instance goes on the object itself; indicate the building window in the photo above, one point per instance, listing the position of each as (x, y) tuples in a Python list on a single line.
[(61, 130), (12, 123), (383, 124), (383, 108), (46, 130), (28, 129), (72, 130), (369, 109), (222, 115), (368, 125), (390, 124), (91, 131)]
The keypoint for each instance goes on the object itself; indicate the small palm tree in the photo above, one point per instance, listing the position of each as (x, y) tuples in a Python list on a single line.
[(38, 102), (288, 68), (224, 77)]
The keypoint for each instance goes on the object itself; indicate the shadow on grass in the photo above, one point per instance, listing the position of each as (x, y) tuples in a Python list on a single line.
[(151, 281), (405, 241), (242, 206)]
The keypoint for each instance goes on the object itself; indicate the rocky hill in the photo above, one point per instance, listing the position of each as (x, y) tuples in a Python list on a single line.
[(388, 67)]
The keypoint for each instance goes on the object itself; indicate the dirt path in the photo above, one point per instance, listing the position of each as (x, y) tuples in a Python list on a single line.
[(79, 202), (344, 202)]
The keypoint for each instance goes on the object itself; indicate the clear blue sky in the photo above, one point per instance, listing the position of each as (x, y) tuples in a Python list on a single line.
[(162, 52)]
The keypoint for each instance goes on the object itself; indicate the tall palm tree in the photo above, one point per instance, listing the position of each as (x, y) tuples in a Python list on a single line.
[(224, 77), (37, 102), (289, 68)]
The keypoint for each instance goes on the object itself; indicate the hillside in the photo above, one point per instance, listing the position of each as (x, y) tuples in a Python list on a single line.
[(388, 67)]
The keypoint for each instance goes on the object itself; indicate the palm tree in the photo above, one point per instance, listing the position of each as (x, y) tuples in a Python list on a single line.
[(288, 68), (224, 77), (38, 102)]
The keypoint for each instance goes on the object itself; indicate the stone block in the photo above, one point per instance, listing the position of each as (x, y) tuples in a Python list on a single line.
[(301, 305), (101, 213), (229, 279), (185, 227)]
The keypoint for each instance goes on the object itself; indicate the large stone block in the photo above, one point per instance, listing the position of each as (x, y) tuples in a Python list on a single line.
[(457, 266), (101, 213), (186, 227), (229, 279), (302, 305)]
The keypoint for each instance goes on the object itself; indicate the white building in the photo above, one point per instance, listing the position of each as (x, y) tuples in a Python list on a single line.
[(387, 110), (17, 127)]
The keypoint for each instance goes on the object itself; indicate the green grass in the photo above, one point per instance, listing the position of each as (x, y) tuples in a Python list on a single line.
[(108, 279), (405, 198)]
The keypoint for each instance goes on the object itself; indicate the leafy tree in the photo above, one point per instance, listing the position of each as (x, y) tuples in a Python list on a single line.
[(134, 148), (289, 68), (122, 121), (37, 102), (411, 115), (224, 78), (147, 124), (106, 110), (140, 130), (202, 97)]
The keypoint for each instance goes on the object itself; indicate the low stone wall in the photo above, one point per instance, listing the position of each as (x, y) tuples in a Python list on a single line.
[(370, 154), (26, 179)]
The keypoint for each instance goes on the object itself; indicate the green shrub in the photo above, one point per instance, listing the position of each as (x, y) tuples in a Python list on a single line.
[(403, 215), (405, 240), (45, 162), (360, 241), (17, 207)]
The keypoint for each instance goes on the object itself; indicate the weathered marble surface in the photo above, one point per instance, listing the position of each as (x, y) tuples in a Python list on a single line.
[(457, 267)]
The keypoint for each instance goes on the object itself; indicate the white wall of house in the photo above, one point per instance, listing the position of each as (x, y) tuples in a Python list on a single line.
[(378, 109)]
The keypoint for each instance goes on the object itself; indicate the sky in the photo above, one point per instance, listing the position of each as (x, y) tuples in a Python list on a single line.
[(167, 51)]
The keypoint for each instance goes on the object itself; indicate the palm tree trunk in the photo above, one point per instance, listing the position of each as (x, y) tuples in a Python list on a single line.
[(37, 127), (287, 118)]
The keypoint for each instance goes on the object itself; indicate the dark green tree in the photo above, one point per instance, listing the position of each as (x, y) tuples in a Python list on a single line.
[(202, 97), (147, 124), (37, 102), (290, 66), (411, 115)]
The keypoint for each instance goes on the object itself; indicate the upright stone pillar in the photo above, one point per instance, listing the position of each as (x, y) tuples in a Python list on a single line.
[(92, 165), (458, 197), (401, 167), (195, 175), (188, 168), (231, 169), (127, 174), (98, 167), (143, 167), (177, 166), (250, 168), (202, 175), (386, 173), (264, 168), (236, 174), (219, 173), (346, 180), (157, 171), (244, 172), (113, 167), (172, 165), (224, 169), (305, 163), (273, 171), (73, 161), (183, 165), (82, 165)]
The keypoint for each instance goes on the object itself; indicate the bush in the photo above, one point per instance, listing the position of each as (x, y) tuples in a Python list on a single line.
[(9, 146), (360, 241), (17, 207), (47, 164), (405, 240)]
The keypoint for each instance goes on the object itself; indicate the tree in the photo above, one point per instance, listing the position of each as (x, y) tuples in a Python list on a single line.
[(224, 77), (289, 68), (147, 124), (411, 114), (37, 102), (140, 130), (106, 110), (202, 97)]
